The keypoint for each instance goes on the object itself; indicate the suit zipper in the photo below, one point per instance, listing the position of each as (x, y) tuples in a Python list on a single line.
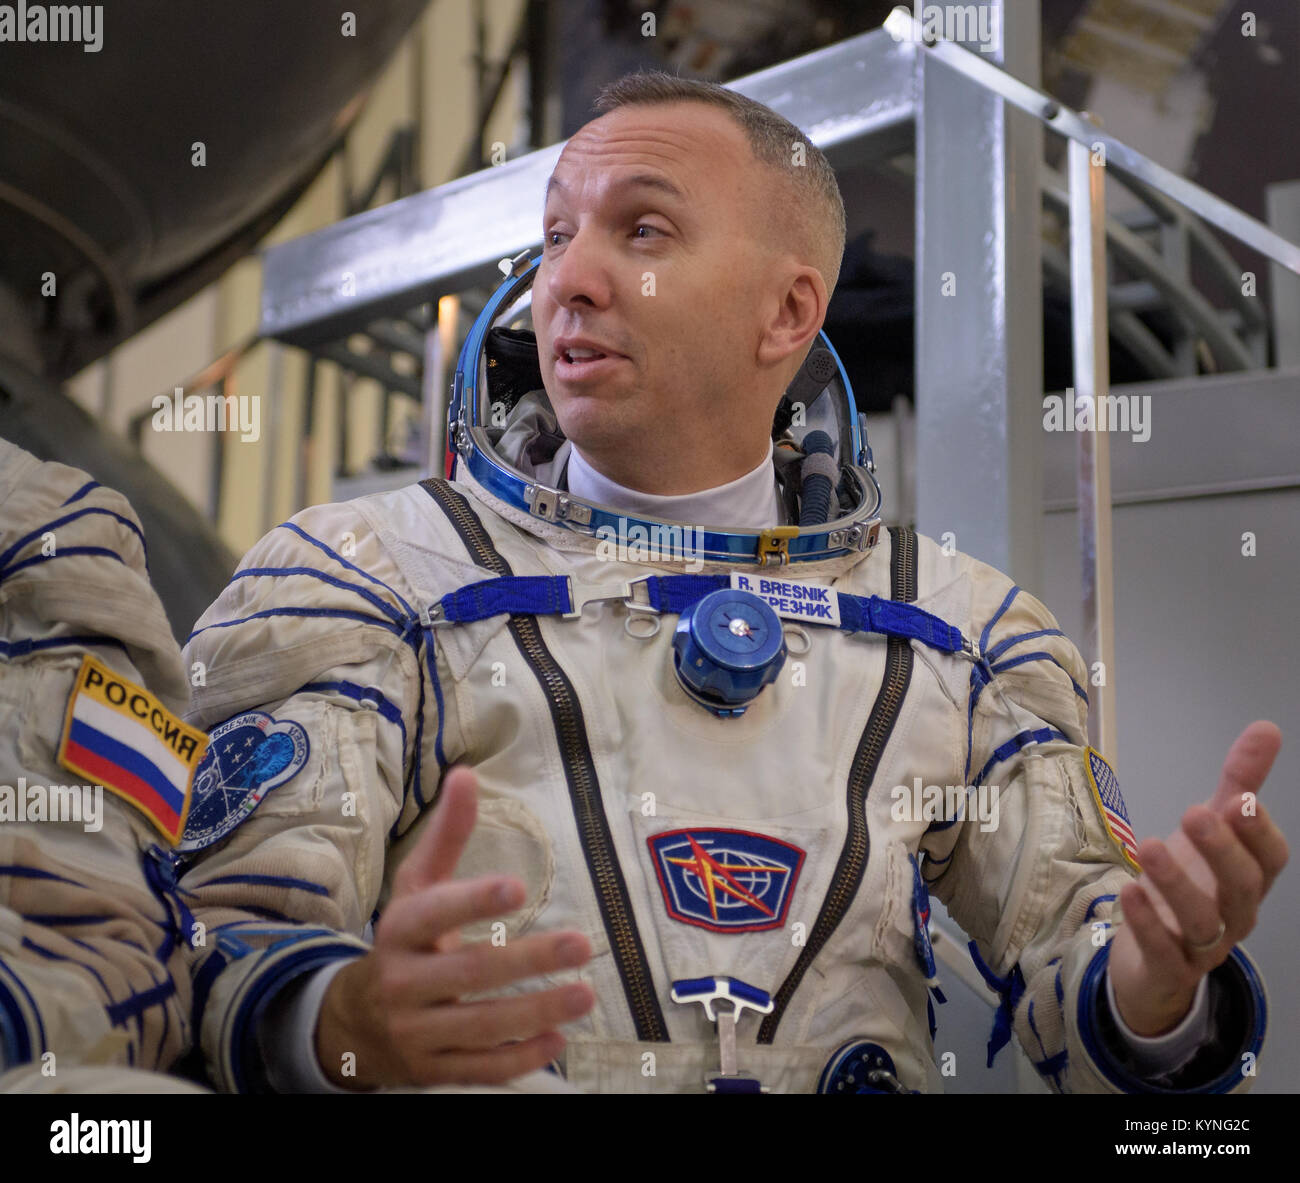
[(853, 856), (580, 772)]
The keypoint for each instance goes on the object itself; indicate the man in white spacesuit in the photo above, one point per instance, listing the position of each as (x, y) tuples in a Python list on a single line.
[(697, 684), (95, 770)]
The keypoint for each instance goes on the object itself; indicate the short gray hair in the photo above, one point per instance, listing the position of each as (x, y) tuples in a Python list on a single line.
[(772, 139)]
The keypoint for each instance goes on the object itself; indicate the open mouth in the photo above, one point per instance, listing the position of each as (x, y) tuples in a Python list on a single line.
[(573, 355), (582, 363)]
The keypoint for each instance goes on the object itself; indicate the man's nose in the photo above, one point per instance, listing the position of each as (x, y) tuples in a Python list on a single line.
[(581, 272)]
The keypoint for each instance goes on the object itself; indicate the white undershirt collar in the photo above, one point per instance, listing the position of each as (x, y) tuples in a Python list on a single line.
[(750, 502)]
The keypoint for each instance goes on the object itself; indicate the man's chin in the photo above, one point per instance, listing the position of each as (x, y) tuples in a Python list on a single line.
[(593, 425)]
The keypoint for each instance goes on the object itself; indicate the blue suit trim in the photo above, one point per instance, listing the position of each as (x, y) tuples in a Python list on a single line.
[(17, 871), (1011, 988), (1092, 907), (359, 693), (311, 573), (21, 1029), (14, 568), (269, 881), (15, 1047), (416, 767), (338, 558), (938, 826), (203, 980), (988, 628), (431, 661), (80, 493), (1015, 744), (56, 918), (1006, 643), (133, 1006), (261, 992), (1012, 662), (12, 649), (341, 613), (1090, 999), (1049, 1065), (27, 539)]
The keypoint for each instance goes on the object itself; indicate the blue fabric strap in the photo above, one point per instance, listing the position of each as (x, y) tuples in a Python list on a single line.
[(871, 614), (531, 594), (547, 595), (676, 593), (1012, 989)]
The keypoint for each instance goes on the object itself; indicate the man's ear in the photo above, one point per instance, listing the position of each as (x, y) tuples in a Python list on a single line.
[(796, 319)]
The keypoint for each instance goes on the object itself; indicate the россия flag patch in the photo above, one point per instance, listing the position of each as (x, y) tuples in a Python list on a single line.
[(118, 735)]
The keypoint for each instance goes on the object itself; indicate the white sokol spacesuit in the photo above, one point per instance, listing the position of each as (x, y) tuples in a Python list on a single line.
[(719, 753), (93, 929)]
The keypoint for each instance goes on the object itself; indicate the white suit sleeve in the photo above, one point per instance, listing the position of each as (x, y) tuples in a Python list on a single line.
[(1040, 891), (324, 651)]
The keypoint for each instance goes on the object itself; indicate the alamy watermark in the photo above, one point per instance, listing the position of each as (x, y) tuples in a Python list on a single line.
[(635, 542), (212, 412), (54, 22), (1112, 412), (949, 803), (970, 24), (90, 1135), (53, 803)]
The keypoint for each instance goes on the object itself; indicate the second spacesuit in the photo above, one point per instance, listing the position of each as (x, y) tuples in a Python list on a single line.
[(95, 765)]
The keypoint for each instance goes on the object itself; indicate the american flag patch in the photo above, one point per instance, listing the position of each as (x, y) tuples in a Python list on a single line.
[(118, 735), (1105, 791)]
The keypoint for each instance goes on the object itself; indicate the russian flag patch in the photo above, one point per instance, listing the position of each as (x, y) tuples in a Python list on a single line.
[(118, 735)]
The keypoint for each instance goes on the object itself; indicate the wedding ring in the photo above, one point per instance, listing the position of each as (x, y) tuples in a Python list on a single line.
[(1207, 946)]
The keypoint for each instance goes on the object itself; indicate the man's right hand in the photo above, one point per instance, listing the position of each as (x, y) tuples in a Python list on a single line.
[(398, 1008)]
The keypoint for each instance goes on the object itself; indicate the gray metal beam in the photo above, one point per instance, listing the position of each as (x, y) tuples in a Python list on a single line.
[(382, 262), (1283, 201), (979, 307), (1212, 435)]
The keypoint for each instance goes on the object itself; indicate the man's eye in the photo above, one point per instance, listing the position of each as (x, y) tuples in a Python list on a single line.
[(552, 235), (646, 226)]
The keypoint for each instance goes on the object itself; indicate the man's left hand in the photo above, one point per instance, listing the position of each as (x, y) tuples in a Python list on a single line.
[(1207, 878)]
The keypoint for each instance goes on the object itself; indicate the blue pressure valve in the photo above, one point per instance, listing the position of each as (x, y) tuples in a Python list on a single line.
[(726, 648)]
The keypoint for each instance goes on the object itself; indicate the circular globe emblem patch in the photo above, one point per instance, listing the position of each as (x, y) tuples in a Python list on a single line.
[(247, 757)]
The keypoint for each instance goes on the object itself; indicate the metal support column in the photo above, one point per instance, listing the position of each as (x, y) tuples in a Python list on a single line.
[(1091, 387), (1283, 202), (979, 366)]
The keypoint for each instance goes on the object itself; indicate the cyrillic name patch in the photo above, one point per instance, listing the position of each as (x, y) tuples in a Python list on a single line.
[(1110, 804), (118, 735), (814, 603)]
